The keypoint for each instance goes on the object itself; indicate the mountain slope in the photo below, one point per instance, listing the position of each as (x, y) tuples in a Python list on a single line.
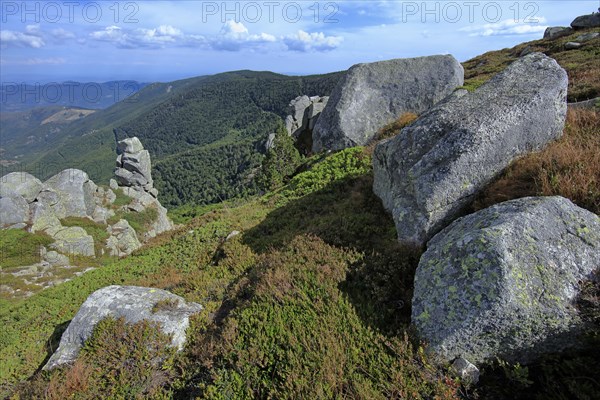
[(217, 124)]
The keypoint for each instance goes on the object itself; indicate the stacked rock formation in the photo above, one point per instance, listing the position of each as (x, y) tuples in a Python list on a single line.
[(134, 177)]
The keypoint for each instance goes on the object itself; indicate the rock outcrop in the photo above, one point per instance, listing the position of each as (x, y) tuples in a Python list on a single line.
[(21, 183), (27, 203), (304, 114), (556, 32), (369, 96), (72, 240), (14, 211), (502, 282), (123, 239), (132, 303), (70, 193), (134, 168), (586, 21), (430, 171), (134, 178)]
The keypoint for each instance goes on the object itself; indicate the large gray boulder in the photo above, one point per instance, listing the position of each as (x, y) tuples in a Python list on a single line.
[(502, 282), (70, 193), (14, 210), (21, 183), (132, 303), (369, 96), (428, 173), (555, 32), (586, 21)]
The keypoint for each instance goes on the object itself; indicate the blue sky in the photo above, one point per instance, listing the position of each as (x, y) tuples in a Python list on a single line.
[(49, 41)]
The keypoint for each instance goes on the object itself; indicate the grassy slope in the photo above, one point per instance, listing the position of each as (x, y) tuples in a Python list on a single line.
[(321, 277), (312, 300), (582, 65)]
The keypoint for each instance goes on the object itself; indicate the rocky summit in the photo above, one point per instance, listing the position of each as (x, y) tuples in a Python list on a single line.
[(369, 96), (502, 282), (428, 173)]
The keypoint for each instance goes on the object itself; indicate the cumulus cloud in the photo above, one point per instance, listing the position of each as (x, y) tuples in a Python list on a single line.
[(62, 34), (235, 36), (140, 37), (317, 41), (32, 37), (506, 28)]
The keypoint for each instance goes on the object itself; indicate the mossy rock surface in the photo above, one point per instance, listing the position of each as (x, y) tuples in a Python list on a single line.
[(502, 282)]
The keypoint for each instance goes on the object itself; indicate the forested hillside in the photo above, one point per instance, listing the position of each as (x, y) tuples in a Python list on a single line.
[(205, 134)]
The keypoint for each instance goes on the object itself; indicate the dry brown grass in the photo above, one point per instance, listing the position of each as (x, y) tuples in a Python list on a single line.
[(391, 130), (569, 167)]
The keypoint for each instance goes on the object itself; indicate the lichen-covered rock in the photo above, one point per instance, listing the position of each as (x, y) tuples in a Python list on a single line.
[(587, 37), (123, 239), (53, 258), (502, 282), (369, 96), (21, 183), (42, 218), (73, 240), (132, 303), (13, 210), (428, 173), (70, 193), (586, 21)]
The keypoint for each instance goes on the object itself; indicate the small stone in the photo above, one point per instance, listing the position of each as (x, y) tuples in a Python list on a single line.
[(232, 235), (467, 372), (572, 45)]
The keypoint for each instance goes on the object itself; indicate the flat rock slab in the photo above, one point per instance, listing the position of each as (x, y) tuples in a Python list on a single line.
[(502, 282), (134, 304), (428, 173)]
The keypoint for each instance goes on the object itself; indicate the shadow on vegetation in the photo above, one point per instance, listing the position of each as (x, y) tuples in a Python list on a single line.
[(53, 342), (346, 214)]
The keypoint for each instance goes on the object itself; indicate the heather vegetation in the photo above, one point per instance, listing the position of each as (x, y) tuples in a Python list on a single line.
[(312, 299)]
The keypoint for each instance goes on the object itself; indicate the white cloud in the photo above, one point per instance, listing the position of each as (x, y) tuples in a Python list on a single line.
[(317, 41), (62, 34), (506, 28), (141, 37), (30, 38), (235, 36)]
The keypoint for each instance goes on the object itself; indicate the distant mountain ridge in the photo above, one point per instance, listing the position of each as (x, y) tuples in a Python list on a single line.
[(20, 96)]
